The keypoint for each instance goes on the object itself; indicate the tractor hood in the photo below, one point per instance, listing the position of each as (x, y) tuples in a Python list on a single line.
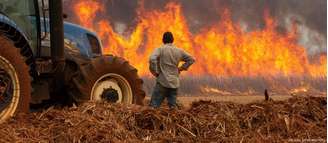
[(76, 38)]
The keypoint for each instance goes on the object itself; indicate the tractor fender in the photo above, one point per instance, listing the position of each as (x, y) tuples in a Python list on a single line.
[(9, 29), (6, 20)]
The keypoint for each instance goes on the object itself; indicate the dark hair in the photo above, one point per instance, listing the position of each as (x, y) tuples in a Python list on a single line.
[(168, 38)]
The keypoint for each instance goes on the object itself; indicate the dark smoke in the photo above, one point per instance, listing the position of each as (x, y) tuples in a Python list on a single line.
[(310, 15)]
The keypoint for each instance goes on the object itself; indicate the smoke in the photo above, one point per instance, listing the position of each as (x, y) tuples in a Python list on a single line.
[(309, 15)]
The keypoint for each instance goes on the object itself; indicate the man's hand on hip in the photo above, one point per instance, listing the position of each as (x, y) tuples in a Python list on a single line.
[(155, 74), (180, 69)]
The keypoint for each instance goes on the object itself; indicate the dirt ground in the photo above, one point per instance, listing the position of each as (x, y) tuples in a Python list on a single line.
[(188, 100), (297, 119)]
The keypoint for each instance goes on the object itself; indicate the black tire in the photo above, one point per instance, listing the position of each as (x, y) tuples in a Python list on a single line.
[(12, 55), (88, 73)]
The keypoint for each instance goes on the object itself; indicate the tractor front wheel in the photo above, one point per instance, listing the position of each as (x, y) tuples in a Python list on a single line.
[(108, 78)]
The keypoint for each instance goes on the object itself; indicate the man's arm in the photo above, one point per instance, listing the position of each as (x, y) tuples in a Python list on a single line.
[(188, 59), (153, 62)]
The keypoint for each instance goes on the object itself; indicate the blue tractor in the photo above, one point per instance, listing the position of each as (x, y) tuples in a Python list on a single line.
[(44, 59)]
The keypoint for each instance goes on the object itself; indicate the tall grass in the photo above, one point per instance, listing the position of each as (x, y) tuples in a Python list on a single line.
[(195, 85)]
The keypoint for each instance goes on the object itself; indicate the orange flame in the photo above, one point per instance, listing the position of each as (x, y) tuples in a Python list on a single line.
[(223, 49)]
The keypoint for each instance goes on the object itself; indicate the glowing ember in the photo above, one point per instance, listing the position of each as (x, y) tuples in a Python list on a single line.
[(223, 49), (207, 89), (299, 90)]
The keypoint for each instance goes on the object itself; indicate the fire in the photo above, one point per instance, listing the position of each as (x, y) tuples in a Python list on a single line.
[(299, 90), (87, 10), (303, 88), (212, 90), (224, 49)]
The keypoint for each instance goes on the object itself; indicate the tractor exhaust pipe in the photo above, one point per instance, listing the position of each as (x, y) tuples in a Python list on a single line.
[(57, 35)]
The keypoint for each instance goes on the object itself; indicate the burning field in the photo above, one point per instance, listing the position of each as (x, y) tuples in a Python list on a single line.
[(296, 120), (224, 48), (241, 47), (277, 45)]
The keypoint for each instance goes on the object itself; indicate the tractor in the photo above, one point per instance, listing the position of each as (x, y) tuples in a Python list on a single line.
[(46, 60)]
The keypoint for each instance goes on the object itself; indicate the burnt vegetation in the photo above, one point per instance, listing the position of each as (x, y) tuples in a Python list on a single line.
[(204, 121)]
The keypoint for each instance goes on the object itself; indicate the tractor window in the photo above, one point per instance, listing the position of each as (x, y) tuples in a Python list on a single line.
[(94, 43), (21, 11)]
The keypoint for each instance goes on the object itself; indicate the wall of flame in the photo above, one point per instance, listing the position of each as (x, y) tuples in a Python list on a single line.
[(223, 49)]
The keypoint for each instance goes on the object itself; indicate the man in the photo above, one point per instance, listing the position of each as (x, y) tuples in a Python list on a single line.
[(164, 65)]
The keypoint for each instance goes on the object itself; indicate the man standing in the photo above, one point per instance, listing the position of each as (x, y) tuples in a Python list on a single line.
[(164, 65)]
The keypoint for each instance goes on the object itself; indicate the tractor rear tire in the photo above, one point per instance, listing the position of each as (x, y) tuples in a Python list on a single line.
[(102, 72), (13, 68)]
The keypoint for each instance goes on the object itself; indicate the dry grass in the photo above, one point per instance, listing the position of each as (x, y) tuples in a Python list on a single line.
[(279, 85), (204, 121)]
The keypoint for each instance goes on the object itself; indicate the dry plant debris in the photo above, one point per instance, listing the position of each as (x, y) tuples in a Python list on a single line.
[(204, 121)]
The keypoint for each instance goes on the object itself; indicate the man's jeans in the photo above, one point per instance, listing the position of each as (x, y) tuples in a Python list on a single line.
[(160, 92)]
